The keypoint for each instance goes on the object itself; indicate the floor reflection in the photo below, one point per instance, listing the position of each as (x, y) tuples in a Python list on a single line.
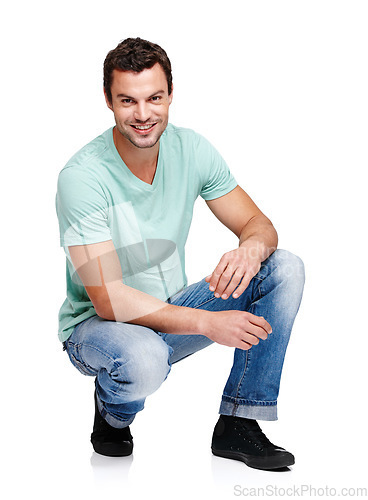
[(112, 471)]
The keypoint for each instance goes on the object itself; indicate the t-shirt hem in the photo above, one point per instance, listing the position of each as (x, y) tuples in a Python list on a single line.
[(86, 241), (63, 335), (219, 192)]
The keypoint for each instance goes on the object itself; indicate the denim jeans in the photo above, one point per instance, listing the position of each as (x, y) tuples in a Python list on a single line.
[(130, 362)]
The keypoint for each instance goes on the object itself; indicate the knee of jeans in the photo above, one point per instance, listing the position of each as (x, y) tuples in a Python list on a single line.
[(143, 370), (290, 268)]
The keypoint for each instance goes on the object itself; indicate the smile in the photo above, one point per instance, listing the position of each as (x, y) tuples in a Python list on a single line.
[(143, 128)]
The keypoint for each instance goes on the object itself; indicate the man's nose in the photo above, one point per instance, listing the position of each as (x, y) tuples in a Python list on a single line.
[(142, 112)]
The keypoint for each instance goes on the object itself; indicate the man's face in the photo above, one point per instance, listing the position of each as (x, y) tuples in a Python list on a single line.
[(140, 103)]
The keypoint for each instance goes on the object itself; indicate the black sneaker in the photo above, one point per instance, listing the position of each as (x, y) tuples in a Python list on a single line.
[(242, 439), (109, 441)]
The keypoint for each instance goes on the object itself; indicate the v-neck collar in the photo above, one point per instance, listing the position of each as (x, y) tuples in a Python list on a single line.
[(136, 180)]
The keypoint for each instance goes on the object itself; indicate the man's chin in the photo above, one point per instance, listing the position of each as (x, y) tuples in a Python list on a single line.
[(144, 144), (143, 141)]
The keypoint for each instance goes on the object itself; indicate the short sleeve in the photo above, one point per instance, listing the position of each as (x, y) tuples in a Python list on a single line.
[(81, 207), (216, 178)]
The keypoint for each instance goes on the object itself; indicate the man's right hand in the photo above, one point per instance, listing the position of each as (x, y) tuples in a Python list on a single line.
[(235, 328)]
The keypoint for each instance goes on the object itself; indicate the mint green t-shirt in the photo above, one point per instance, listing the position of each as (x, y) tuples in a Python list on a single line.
[(99, 199)]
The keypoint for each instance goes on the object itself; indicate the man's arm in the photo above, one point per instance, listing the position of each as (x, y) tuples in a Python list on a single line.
[(99, 268), (257, 240)]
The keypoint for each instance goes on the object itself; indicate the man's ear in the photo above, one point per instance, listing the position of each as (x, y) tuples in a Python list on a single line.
[(108, 103), (171, 94)]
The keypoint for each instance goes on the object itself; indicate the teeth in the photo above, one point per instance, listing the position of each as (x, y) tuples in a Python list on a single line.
[(142, 127)]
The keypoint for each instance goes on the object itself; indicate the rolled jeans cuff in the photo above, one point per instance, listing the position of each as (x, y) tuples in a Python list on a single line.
[(265, 410), (111, 420)]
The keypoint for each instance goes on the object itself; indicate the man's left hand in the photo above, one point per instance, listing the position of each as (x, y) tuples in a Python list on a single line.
[(234, 271)]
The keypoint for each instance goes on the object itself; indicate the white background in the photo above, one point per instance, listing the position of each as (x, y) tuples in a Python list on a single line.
[(280, 88)]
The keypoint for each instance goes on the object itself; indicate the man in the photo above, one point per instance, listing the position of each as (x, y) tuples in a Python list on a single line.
[(124, 204)]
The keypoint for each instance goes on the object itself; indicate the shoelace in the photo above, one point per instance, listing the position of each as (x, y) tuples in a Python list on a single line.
[(253, 432)]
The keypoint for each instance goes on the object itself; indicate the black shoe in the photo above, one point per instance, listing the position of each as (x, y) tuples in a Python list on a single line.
[(109, 441), (242, 439)]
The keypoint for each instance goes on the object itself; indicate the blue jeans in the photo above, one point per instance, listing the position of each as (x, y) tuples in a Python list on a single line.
[(130, 362)]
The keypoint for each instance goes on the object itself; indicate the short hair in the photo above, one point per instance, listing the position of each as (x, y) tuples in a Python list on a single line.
[(135, 54)]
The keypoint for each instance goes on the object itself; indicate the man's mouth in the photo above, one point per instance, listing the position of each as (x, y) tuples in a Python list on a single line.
[(143, 128)]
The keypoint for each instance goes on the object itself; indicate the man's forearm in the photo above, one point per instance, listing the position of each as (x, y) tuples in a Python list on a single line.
[(119, 302), (231, 328), (175, 319), (129, 305), (259, 237)]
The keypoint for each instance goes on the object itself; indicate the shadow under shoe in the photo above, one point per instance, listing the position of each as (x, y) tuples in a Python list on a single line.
[(109, 441), (242, 439)]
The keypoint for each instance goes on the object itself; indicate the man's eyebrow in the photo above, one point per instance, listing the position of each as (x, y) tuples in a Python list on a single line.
[(125, 96)]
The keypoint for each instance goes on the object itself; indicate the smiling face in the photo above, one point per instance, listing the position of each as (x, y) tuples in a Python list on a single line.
[(140, 103)]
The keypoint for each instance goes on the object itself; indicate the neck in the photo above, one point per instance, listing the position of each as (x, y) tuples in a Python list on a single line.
[(136, 159)]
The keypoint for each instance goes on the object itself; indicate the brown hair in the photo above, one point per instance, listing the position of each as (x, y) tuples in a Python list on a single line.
[(135, 54)]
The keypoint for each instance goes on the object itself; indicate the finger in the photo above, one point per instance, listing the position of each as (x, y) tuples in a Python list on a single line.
[(216, 275), (250, 338), (243, 345), (260, 322), (234, 282), (243, 285), (214, 280), (257, 331), (224, 280)]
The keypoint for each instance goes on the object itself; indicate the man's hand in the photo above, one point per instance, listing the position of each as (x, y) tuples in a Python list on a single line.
[(236, 328), (234, 271), (257, 240)]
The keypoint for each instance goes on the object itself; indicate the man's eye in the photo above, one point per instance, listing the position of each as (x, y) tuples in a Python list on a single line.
[(126, 101), (156, 98)]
